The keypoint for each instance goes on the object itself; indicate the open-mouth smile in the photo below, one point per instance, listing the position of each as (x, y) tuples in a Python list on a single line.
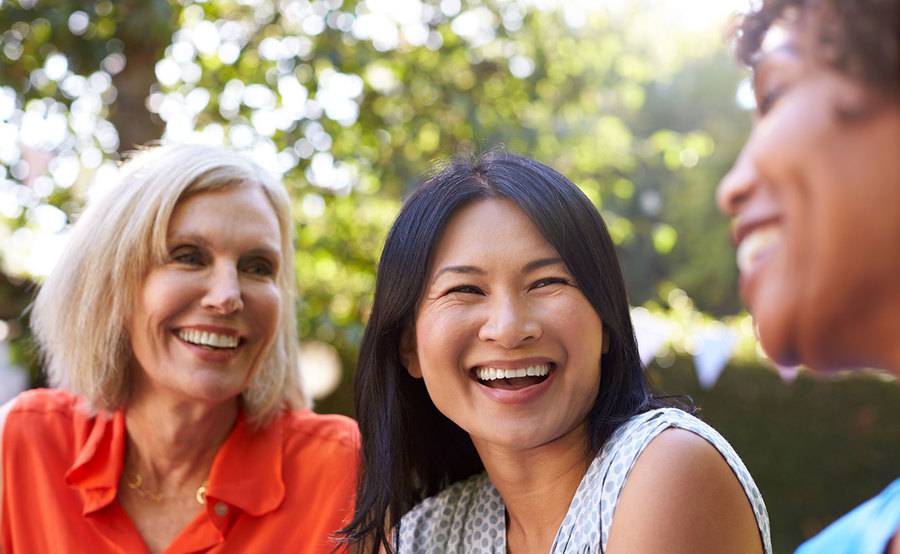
[(512, 378), (208, 339)]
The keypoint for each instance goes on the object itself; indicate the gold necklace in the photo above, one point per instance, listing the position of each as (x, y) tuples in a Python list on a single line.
[(136, 483)]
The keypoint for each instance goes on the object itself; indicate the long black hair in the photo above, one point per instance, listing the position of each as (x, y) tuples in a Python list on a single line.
[(409, 449)]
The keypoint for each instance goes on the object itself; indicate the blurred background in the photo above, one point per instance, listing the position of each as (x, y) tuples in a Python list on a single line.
[(352, 102)]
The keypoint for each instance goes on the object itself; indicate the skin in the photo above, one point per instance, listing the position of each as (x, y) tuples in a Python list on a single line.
[(224, 254), (826, 294), (511, 298), (696, 505)]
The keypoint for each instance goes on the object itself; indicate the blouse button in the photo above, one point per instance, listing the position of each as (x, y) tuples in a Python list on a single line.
[(221, 509)]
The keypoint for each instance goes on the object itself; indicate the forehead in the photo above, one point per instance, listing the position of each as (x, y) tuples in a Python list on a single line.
[(238, 210), (491, 229)]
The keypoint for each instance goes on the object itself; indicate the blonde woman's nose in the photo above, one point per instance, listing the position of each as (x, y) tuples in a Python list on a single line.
[(223, 294)]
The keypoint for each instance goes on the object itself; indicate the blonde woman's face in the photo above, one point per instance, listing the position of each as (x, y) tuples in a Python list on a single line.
[(205, 318)]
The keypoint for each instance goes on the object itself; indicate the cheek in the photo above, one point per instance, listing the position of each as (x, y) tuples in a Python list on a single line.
[(574, 316), (267, 310), (441, 340), (162, 297), (579, 326)]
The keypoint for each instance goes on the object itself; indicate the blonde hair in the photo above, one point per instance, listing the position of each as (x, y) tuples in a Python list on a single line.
[(80, 313)]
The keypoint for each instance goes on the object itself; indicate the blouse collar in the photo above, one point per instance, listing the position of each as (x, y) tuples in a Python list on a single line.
[(246, 472)]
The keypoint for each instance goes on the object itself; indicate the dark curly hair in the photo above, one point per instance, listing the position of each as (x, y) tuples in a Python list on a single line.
[(858, 38)]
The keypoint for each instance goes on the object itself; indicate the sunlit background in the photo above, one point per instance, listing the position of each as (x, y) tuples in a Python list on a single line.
[(350, 102)]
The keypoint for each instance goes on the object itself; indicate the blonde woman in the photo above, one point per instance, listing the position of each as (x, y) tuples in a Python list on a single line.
[(177, 422)]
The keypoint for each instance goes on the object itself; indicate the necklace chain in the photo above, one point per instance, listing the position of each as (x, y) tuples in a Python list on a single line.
[(136, 483)]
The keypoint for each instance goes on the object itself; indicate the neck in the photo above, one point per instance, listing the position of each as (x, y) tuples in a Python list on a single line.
[(871, 341), (864, 335), (172, 443), (890, 332), (537, 486)]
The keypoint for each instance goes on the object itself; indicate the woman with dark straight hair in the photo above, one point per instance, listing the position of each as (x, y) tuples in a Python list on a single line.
[(500, 395)]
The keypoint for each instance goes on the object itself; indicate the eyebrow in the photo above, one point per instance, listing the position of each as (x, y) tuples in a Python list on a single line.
[(463, 269), (475, 270)]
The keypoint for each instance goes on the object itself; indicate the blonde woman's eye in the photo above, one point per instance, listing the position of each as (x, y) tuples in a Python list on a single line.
[(187, 256), (261, 267)]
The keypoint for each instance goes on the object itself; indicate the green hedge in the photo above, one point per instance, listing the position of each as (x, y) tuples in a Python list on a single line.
[(816, 447)]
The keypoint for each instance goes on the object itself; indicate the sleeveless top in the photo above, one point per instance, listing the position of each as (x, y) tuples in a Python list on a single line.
[(468, 517), (284, 488), (866, 530)]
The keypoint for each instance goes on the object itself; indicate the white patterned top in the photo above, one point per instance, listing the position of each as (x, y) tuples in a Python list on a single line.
[(468, 517)]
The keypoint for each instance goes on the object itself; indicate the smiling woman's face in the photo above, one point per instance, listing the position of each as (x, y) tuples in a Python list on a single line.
[(206, 317), (507, 344), (815, 203)]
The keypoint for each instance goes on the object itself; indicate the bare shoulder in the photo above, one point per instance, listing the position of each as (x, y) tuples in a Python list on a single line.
[(682, 497)]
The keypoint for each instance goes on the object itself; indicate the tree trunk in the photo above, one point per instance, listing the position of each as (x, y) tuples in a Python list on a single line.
[(129, 114)]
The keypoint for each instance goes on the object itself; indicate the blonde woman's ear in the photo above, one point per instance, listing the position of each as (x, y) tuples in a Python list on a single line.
[(408, 355)]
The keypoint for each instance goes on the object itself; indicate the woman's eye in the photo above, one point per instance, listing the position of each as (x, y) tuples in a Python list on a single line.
[(260, 267), (541, 283), (465, 289), (767, 101), (187, 257)]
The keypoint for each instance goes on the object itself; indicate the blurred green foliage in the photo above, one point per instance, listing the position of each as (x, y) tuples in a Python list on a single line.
[(600, 101)]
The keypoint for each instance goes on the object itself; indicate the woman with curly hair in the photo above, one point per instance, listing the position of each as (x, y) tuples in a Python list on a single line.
[(815, 203)]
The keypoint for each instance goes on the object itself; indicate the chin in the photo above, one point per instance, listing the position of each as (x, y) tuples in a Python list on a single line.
[(776, 335), (215, 393), (786, 344)]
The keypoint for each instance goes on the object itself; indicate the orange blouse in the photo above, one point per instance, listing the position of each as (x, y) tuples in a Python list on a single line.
[(286, 488)]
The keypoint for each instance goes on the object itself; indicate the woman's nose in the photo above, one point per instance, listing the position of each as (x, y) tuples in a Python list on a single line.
[(223, 294), (738, 185), (509, 323)]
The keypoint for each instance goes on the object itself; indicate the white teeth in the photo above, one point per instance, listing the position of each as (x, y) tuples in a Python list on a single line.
[(754, 245), (205, 338), (492, 373)]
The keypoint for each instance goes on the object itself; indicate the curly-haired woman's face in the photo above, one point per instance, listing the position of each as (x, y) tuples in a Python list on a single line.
[(507, 344), (205, 319), (815, 203)]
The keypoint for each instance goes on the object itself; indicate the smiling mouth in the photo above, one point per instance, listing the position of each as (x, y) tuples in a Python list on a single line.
[(755, 247), (208, 340), (512, 379)]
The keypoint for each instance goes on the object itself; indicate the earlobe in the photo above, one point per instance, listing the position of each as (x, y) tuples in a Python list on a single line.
[(408, 356)]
